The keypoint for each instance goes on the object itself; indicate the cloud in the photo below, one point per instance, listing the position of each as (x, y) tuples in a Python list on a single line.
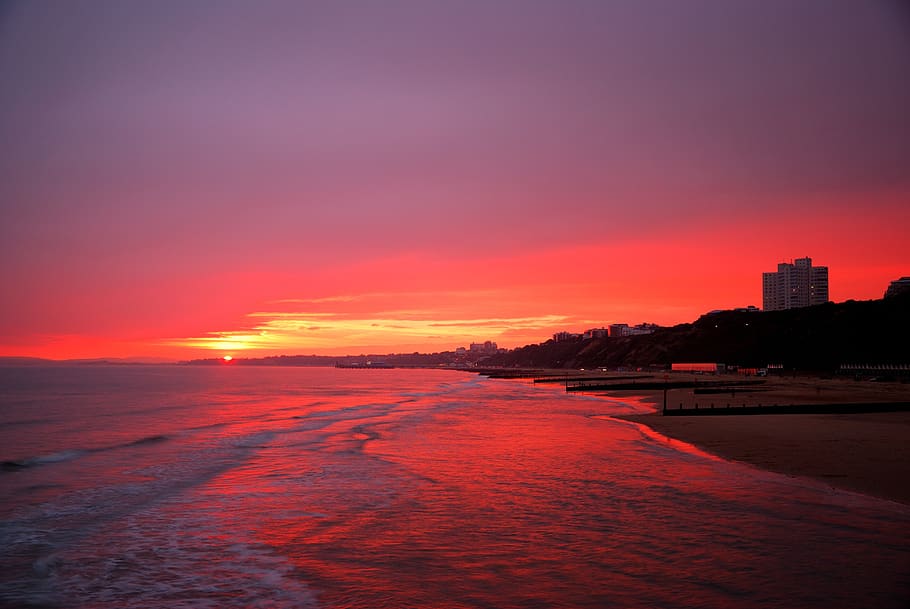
[(289, 331), (312, 301), (512, 323), (369, 174)]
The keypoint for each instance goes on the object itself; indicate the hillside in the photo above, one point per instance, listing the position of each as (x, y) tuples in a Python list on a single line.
[(819, 338)]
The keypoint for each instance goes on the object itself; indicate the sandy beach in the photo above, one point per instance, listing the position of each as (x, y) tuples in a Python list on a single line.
[(868, 453)]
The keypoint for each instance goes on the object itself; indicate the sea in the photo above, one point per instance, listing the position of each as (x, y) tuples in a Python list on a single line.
[(239, 486)]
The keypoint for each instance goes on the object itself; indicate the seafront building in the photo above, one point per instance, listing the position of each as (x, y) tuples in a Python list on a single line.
[(596, 333), (794, 285), (561, 337), (487, 348), (613, 330), (898, 286), (636, 330)]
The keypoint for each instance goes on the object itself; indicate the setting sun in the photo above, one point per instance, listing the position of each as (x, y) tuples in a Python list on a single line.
[(228, 358)]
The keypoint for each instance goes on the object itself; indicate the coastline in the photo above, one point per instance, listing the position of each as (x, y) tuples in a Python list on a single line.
[(867, 453)]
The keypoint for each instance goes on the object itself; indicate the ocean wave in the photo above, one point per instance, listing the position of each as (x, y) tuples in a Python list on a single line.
[(24, 422), (58, 457), (254, 440), (74, 453), (147, 440)]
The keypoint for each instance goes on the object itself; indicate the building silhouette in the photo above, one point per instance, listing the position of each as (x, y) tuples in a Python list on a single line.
[(898, 286), (486, 347), (793, 285)]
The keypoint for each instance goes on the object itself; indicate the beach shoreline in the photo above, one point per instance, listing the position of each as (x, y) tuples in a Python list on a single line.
[(867, 453)]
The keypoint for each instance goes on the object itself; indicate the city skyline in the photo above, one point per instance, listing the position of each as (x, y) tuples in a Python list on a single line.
[(191, 180)]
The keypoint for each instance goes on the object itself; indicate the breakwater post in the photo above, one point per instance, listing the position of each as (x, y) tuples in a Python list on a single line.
[(835, 408)]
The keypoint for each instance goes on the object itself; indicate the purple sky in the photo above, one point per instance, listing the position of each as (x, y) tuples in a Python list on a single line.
[(144, 140)]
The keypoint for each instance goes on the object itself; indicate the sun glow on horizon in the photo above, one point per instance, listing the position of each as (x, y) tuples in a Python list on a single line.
[(441, 303), (284, 332), (438, 205)]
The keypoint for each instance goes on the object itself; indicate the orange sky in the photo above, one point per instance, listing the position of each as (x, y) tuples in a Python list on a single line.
[(268, 179), (424, 302)]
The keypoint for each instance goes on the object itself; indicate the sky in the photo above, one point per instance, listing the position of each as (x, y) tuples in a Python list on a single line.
[(202, 178)]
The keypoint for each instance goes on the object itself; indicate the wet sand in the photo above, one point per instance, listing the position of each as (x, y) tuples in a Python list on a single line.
[(868, 453)]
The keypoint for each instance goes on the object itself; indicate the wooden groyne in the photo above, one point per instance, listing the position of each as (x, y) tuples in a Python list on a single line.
[(507, 373), (659, 385), (731, 390), (574, 379), (732, 410)]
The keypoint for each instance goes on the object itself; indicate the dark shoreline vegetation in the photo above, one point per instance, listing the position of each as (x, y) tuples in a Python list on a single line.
[(819, 338)]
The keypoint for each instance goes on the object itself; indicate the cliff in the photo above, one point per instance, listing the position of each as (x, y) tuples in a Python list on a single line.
[(818, 338)]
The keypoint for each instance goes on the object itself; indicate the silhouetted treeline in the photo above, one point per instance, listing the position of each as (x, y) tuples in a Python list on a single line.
[(819, 338)]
